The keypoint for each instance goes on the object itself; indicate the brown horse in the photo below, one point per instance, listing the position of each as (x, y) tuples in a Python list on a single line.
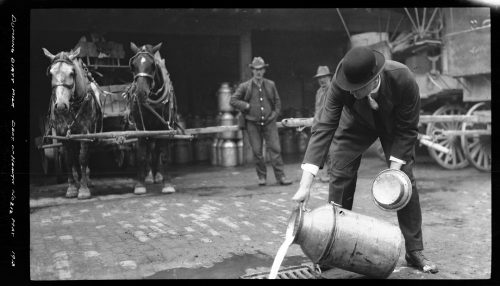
[(152, 106), (74, 109)]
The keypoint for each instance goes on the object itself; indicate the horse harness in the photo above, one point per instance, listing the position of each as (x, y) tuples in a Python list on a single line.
[(163, 98)]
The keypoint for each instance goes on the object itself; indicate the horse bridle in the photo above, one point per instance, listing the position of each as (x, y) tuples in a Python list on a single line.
[(143, 74), (69, 62)]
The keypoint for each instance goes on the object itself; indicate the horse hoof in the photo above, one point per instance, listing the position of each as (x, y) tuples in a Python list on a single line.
[(149, 178), (139, 190), (72, 192), (168, 190), (83, 194), (158, 178)]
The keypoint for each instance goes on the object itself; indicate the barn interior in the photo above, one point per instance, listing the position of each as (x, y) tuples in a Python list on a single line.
[(204, 48)]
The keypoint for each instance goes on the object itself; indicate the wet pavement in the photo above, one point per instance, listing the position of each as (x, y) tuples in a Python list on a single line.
[(221, 224)]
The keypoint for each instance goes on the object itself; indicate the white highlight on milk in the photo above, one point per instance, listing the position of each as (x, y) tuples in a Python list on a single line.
[(280, 256)]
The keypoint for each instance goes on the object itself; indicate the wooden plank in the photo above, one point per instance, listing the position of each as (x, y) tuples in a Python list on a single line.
[(468, 52), (476, 88)]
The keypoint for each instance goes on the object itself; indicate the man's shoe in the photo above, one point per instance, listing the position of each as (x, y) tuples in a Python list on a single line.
[(262, 181), (284, 181), (416, 258)]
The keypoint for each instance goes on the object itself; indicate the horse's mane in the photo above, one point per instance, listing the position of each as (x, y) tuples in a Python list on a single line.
[(163, 77), (80, 78)]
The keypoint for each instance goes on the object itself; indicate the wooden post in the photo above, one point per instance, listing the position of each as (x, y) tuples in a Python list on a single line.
[(245, 55), (245, 74)]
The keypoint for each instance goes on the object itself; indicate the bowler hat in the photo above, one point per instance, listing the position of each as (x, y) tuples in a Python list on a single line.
[(322, 71), (258, 63), (359, 67)]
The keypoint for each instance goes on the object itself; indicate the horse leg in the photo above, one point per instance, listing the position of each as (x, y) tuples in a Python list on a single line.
[(89, 181), (83, 191), (155, 154), (149, 178), (141, 158), (167, 188), (68, 151)]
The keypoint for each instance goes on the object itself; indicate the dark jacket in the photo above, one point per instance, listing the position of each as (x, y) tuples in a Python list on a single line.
[(399, 109), (320, 100), (241, 97)]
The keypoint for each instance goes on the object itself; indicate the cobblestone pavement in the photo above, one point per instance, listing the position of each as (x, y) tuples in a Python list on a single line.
[(218, 214)]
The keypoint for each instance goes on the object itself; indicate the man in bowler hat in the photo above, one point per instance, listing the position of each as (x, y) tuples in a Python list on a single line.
[(369, 98), (260, 104), (323, 76)]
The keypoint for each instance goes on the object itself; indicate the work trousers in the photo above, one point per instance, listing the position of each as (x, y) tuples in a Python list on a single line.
[(269, 132), (349, 143)]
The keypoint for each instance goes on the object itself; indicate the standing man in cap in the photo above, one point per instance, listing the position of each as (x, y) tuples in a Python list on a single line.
[(323, 75), (260, 104), (369, 97)]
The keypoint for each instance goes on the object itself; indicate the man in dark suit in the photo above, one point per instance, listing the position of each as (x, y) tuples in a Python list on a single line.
[(369, 97), (260, 104)]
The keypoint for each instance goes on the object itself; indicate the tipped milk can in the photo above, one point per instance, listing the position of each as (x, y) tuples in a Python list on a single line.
[(336, 237)]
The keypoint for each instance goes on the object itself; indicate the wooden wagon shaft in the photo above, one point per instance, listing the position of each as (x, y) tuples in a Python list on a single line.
[(304, 122), (456, 118), (55, 145), (297, 122), (426, 140), (211, 129), (66, 138), (480, 118), (438, 133), (175, 137), (115, 134)]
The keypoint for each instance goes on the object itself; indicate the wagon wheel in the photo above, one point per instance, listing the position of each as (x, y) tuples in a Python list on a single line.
[(478, 147), (457, 158)]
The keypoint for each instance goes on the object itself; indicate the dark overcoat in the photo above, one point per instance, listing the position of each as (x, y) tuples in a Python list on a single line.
[(395, 122)]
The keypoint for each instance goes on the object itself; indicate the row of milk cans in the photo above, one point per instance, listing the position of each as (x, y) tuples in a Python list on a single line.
[(227, 148)]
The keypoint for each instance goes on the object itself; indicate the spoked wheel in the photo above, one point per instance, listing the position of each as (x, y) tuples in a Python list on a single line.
[(477, 148), (456, 159)]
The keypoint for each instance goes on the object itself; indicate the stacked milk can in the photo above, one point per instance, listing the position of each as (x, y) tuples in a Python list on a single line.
[(183, 148), (227, 147), (196, 150), (201, 144)]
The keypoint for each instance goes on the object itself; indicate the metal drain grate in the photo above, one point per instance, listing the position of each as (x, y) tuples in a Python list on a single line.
[(292, 272)]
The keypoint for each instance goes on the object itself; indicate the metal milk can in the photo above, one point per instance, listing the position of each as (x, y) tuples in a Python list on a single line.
[(229, 154), (289, 145), (201, 149), (302, 141), (337, 237), (183, 152), (213, 152), (219, 151), (227, 119), (223, 97), (239, 146)]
